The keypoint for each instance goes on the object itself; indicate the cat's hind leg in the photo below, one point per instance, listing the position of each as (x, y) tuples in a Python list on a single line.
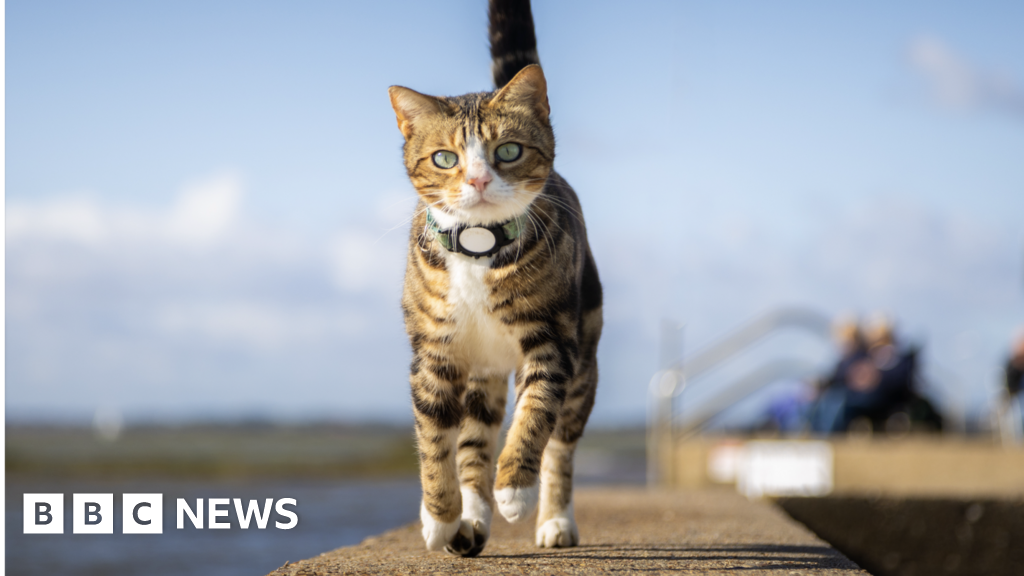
[(556, 523), (477, 444)]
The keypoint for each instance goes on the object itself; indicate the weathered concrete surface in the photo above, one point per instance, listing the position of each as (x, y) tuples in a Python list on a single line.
[(624, 531)]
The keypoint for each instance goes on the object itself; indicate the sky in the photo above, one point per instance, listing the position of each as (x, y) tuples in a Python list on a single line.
[(206, 209)]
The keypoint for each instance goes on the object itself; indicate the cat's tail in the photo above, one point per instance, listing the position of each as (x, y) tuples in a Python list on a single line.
[(513, 43)]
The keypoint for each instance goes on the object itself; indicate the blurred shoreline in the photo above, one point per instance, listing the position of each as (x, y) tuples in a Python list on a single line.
[(267, 451)]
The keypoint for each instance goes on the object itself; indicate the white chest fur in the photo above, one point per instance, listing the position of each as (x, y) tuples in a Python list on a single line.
[(485, 342)]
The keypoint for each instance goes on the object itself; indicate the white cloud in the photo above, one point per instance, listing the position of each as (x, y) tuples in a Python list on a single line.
[(157, 308), (958, 84), (196, 271), (205, 210), (358, 263), (371, 254), (259, 326), (76, 220), (203, 213)]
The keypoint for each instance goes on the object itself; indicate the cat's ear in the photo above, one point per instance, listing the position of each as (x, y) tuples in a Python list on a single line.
[(410, 106), (528, 86)]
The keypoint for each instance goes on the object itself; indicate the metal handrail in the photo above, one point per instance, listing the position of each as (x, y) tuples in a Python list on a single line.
[(744, 387), (814, 322), (666, 385)]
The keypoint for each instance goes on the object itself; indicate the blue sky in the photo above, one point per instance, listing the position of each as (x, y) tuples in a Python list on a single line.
[(206, 204)]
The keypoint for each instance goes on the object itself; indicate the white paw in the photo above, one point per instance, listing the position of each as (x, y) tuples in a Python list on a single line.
[(476, 511), (516, 504), (558, 533), (436, 534)]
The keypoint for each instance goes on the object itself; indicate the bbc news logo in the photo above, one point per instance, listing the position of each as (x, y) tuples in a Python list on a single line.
[(144, 513)]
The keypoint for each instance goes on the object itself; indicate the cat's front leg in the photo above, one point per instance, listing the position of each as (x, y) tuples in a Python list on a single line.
[(478, 440), (556, 523), (540, 391), (437, 387)]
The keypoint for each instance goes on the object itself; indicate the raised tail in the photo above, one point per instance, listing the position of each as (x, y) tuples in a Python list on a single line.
[(513, 43)]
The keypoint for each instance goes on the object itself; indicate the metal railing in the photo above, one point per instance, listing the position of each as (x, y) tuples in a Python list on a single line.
[(668, 384)]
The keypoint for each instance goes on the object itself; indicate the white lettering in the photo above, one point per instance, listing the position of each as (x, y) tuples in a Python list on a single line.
[(292, 516), (217, 513), (254, 510), (197, 518)]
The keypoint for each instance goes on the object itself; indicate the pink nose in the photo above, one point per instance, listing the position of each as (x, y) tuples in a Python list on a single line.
[(480, 182)]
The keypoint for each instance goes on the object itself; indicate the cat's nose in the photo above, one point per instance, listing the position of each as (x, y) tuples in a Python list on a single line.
[(480, 182)]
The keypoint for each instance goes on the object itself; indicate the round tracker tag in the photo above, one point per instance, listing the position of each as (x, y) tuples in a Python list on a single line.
[(477, 239)]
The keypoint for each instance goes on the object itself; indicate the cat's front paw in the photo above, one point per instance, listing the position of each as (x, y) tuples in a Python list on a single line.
[(516, 504), (476, 525), (558, 533), (437, 534), (469, 541)]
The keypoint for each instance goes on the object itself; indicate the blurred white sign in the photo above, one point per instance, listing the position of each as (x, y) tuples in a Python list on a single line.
[(725, 461), (785, 468)]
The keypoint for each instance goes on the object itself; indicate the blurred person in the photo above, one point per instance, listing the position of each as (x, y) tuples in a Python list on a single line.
[(881, 385), (873, 385), (881, 341), (790, 412), (1013, 383), (881, 378), (1013, 372), (826, 415)]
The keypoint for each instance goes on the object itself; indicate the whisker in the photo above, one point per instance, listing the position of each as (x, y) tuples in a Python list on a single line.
[(544, 230), (408, 220)]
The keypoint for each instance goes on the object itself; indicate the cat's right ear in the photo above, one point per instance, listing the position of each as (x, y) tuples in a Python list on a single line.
[(411, 106)]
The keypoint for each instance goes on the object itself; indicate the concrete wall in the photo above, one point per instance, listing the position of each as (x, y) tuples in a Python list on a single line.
[(915, 466)]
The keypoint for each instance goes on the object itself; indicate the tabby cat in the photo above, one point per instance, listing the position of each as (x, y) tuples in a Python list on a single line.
[(499, 279)]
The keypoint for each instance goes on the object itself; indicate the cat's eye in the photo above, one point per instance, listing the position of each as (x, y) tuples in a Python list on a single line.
[(445, 159), (509, 152)]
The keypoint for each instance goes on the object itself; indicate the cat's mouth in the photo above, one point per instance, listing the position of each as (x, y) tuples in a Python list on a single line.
[(481, 201), (488, 208), (473, 201)]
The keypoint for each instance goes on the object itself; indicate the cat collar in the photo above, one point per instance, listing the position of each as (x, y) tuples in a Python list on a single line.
[(475, 241)]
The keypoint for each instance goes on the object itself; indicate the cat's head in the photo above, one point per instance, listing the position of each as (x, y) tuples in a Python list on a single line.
[(479, 158)]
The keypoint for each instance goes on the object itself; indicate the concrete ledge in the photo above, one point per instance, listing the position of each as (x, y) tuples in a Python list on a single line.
[(624, 530), (929, 467), (923, 466)]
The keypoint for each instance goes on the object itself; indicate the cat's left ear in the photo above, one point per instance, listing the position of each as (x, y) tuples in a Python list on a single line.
[(411, 106), (528, 86)]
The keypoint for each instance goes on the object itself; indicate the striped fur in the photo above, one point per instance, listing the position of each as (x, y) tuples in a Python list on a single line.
[(513, 42), (533, 309)]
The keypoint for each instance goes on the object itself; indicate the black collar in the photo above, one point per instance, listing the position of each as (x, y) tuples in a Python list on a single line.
[(476, 241)]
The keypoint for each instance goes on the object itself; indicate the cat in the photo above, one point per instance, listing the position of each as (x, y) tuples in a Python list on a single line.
[(499, 279)]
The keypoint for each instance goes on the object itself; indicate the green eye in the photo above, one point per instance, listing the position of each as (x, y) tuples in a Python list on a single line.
[(509, 152), (445, 159)]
